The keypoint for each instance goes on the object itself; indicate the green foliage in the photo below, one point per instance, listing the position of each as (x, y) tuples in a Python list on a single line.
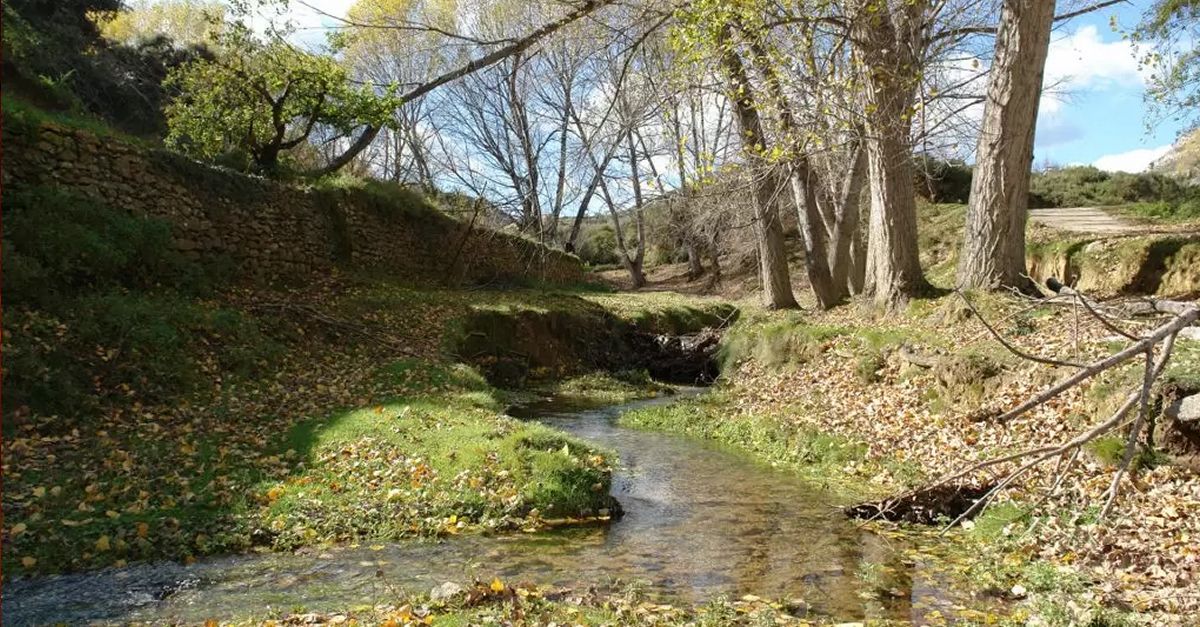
[(56, 59), (1166, 40), (1184, 210), (598, 245), (942, 181), (1086, 186), (266, 99)]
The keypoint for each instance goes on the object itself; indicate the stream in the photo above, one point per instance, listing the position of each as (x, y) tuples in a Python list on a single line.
[(700, 521)]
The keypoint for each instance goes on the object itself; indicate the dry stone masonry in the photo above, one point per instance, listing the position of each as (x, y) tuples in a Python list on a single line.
[(271, 230)]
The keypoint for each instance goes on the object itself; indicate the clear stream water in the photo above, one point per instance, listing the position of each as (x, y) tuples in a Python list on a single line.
[(700, 521)]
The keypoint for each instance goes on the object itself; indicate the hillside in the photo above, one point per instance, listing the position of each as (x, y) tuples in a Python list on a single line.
[(1183, 160)]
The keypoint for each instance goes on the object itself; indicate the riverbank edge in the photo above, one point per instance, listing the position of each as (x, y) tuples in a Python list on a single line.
[(341, 466), (992, 557)]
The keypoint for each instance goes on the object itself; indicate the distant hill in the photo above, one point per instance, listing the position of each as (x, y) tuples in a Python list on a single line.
[(1183, 160)]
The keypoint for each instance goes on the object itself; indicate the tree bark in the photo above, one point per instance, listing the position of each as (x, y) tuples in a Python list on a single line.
[(772, 253), (885, 42), (845, 266), (812, 232), (993, 253)]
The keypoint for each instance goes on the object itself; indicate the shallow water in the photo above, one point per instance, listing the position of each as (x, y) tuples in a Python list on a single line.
[(700, 521)]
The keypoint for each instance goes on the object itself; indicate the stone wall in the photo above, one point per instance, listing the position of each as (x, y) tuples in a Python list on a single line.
[(268, 229)]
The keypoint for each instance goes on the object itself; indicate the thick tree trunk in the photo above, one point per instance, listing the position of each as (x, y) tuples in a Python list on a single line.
[(772, 253), (885, 42), (993, 253)]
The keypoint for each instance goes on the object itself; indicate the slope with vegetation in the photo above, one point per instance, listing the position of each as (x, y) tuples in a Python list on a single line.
[(157, 407)]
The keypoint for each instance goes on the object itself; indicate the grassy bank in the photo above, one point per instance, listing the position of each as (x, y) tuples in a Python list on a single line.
[(832, 396), (153, 409)]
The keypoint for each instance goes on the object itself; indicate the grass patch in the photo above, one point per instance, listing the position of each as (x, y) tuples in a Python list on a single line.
[(776, 342), (23, 118), (429, 467), (603, 388), (437, 459), (816, 456)]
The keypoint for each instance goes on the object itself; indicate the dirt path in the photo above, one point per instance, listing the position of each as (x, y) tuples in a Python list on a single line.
[(1082, 220)]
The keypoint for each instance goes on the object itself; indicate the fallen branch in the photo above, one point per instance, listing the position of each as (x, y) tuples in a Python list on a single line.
[(958, 483)]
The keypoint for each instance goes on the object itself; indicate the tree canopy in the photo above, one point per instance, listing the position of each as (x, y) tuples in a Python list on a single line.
[(265, 98)]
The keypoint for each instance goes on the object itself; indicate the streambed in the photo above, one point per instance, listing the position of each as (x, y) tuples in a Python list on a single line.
[(700, 521)]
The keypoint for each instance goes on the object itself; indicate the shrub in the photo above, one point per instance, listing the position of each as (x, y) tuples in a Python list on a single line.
[(1081, 186), (942, 181), (598, 245)]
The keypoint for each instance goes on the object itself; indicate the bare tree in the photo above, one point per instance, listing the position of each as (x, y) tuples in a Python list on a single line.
[(772, 254)]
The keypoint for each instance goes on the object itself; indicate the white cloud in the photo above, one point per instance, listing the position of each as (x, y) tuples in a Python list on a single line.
[(1137, 160), (1081, 61)]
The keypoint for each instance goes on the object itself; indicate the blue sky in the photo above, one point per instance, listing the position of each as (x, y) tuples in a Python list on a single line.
[(1097, 115), (1092, 113)]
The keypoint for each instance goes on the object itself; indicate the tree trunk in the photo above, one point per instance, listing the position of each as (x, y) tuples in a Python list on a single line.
[(812, 232), (885, 41), (772, 253), (993, 253), (695, 264), (845, 229), (633, 265)]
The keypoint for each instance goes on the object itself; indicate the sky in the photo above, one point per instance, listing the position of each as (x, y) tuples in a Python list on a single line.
[(1093, 111), (1096, 114)]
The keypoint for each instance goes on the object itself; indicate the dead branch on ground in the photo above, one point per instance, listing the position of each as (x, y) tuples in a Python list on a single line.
[(1155, 347)]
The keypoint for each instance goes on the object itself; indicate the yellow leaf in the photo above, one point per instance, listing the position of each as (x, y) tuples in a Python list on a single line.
[(274, 493), (102, 544), (28, 562), (39, 492), (143, 529), (18, 529), (497, 585), (212, 622)]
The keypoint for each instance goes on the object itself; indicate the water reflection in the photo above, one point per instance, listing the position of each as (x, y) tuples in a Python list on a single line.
[(700, 521)]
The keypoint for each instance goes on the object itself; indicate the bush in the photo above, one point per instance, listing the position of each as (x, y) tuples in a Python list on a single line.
[(1086, 186), (942, 181), (598, 245)]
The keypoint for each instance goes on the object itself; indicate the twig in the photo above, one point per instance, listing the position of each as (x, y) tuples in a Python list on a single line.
[(1096, 367), (1136, 430)]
